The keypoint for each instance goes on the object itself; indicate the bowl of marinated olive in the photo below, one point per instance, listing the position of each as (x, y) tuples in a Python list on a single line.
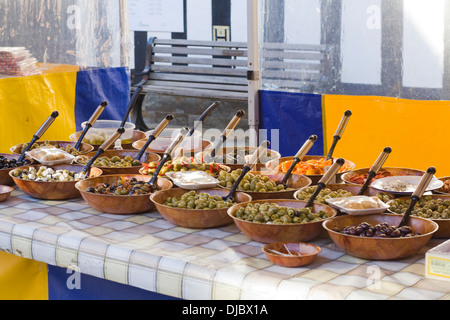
[(113, 162), (183, 164), (9, 162), (311, 166), (50, 183), (333, 191), (96, 143), (270, 221), (433, 207), (121, 194), (199, 209), (264, 185), (291, 255), (236, 157), (358, 177), (66, 146), (5, 192), (378, 237)]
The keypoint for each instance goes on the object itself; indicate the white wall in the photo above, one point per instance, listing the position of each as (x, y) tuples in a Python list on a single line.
[(302, 23)]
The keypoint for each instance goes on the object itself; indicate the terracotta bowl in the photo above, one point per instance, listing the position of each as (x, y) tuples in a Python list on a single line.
[(137, 135), (122, 205), (196, 219), (300, 254), (271, 233), (5, 192), (222, 158), (444, 224), (273, 165), (138, 145), (353, 189), (53, 190), (85, 148), (146, 158), (296, 182), (380, 248), (441, 191), (5, 178), (394, 171)]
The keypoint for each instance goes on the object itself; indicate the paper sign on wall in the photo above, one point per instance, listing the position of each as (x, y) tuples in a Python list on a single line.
[(156, 15)]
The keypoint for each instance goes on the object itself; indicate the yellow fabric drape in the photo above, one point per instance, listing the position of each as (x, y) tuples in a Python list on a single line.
[(26, 102), (417, 131), (22, 279)]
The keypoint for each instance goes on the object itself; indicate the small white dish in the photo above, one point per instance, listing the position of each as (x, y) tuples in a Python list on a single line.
[(404, 185), (349, 205), (193, 180)]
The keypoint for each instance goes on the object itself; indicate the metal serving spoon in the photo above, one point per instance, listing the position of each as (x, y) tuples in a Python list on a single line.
[(91, 123), (375, 168), (339, 133)]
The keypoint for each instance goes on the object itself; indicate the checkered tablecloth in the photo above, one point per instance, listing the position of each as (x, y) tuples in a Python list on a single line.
[(147, 252)]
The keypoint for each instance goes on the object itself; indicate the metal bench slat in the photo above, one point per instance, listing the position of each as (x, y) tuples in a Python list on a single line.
[(199, 70), (200, 43), (199, 78), (198, 85), (293, 55), (200, 93), (201, 61), (198, 51), (284, 65)]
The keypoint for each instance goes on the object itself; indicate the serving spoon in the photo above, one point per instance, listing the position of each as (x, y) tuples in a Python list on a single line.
[(226, 134), (104, 147), (247, 168), (299, 157), (167, 155), (39, 134), (327, 177), (202, 118), (418, 193), (339, 133), (375, 168), (91, 123), (155, 134)]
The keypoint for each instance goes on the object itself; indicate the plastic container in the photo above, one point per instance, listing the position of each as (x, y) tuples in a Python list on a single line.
[(104, 129), (437, 262)]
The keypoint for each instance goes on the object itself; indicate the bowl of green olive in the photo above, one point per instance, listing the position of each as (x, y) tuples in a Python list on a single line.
[(121, 194), (264, 185), (433, 207), (270, 221), (333, 191), (113, 162), (197, 209)]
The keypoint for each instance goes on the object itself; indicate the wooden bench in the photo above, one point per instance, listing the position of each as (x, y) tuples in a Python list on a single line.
[(219, 70)]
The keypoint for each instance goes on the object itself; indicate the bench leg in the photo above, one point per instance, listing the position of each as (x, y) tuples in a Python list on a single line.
[(136, 115)]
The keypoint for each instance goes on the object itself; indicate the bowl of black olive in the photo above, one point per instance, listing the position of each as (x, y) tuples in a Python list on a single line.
[(9, 162), (380, 237)]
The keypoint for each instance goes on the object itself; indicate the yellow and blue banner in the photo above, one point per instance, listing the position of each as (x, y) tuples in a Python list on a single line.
[(416, 130), (26, 102)]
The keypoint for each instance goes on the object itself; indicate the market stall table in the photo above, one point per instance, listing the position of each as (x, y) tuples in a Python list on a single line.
[(147, 252)]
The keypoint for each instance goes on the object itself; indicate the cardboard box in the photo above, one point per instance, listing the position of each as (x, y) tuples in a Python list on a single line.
[(437, 262)]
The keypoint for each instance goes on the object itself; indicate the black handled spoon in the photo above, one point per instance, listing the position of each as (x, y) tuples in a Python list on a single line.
[(247, 168), (374, 169), (39, 134), (332, 171), (299, 157), (202, 118), (418, 193)]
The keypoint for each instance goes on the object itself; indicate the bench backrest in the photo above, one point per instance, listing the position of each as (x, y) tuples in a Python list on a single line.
[(218, 70), (201, 68)]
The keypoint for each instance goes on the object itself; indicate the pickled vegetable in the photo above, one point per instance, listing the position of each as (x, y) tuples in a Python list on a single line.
[(182, 164), (45, 174), (122, 187), (381, 230), (111, 162)]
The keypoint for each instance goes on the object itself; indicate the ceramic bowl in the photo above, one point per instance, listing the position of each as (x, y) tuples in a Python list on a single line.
[(291, 255)]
